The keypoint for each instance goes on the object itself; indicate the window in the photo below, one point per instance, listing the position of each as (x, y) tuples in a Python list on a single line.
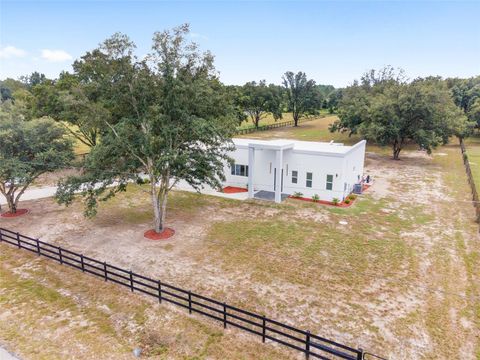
[(309, 179), (329, 182), (240, 170), (294, 176)]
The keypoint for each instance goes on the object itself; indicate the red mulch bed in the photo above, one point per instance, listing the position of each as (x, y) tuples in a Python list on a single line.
[(153, 235), (323, 202), (233, 190), (19, 212)]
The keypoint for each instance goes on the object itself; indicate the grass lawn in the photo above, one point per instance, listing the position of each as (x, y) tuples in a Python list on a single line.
[(399, 279)]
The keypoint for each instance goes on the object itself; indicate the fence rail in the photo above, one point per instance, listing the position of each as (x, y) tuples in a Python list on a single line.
[(471, 181), (266, 328), (275, 125)]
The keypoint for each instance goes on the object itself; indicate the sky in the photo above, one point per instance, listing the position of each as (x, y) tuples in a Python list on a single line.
[(332, 42)]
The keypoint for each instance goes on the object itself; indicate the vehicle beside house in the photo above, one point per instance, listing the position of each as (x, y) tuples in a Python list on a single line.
[(279, 168)]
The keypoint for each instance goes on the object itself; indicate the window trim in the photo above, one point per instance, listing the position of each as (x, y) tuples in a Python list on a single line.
[(309, 180), (295, 176), (327, 183), (239, 170)]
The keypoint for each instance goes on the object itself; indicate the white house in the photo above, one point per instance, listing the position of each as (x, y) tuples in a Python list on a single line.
[(282, 167)]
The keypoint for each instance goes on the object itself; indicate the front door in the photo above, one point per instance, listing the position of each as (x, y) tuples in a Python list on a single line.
[(275, 180)]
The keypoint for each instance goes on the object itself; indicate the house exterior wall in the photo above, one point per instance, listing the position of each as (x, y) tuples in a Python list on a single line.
[(345, 169)]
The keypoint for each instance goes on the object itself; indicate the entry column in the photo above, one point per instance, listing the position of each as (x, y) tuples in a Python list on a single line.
[(278, 175), (251, 166)]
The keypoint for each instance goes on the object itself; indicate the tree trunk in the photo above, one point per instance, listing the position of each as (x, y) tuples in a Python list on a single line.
[(157, 218), (159, 200), (295, 119), (12, 204), (256, 121), (396, 152)]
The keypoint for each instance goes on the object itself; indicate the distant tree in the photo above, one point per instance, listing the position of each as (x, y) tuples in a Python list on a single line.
[(5, 93), (233, 94), (169, 119), (258, 99), (33, 79), (386, 109), (466, 95), (28, 149), (333, 99), (302, 96)]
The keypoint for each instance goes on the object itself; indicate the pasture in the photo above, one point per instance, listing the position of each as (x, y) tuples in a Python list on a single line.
[(397, 279)]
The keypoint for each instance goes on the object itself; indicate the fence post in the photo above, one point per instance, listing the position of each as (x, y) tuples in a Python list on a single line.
[(1, 235), (38, 247), (82, 262), (360, 354), (131, 281), (105, 270), (224, 315), (18, 240), (159, 291), (264, 328), (307, 345), (60, 254), (190, 302)]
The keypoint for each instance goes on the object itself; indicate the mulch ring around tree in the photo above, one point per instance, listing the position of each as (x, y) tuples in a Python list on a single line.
[(19, 212), (163, 235), (233, 190)]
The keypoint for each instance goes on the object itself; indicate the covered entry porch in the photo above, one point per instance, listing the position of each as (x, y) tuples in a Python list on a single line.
[(272, 187)]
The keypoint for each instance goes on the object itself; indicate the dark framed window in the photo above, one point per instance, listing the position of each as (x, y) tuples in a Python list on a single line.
[(329, 182), (239, 170), (309, 179), (294, 176)]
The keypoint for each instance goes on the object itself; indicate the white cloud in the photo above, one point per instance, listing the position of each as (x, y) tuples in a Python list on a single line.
[(55, 55), (8, 52)]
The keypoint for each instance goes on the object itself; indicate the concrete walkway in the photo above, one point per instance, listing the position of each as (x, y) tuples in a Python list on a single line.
[(5, 355), (33, 194), (45, 192)]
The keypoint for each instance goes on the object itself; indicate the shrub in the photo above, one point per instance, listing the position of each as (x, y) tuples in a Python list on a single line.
[(347, 201), (352, 197), (335, 201), (315, 198), (297, 194)]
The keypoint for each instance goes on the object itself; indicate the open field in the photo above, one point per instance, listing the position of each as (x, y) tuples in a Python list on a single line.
[(398, 280), (268, 119)]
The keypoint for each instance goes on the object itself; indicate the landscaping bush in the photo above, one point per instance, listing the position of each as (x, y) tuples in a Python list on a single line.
[(335, 201), (297, 194), (347, 201), (315, 198), (352, 197)]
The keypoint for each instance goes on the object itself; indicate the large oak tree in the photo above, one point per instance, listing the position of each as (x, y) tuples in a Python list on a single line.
[(388, 110), (28, 149), (168, 119)]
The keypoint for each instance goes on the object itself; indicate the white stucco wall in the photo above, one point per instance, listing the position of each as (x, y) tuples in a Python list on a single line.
[(345, 169)]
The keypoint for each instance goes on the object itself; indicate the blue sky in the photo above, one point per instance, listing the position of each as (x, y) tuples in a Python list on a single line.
[(333, 42)]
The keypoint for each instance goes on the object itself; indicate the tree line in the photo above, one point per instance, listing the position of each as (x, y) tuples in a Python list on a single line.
[(167, 117)]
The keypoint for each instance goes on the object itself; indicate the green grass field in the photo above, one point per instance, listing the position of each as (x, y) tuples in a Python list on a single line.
[(473, 151)]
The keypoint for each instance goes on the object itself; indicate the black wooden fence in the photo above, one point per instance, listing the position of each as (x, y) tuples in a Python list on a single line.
[(471, 181), (274, 125), (266, 328)]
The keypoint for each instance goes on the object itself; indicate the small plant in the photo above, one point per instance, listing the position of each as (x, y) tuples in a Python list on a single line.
[(315, 198), (347, 201), (335, 201), (297, 194), (352, 197)]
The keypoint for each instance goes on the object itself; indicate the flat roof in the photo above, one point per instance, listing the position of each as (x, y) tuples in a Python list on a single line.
[(310, 146)]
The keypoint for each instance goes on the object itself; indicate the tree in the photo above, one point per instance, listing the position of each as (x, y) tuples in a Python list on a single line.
[(466, 95), (388, 110), (302, 96), (173, 122), (33, 79), (257, 100), (28, 149)]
